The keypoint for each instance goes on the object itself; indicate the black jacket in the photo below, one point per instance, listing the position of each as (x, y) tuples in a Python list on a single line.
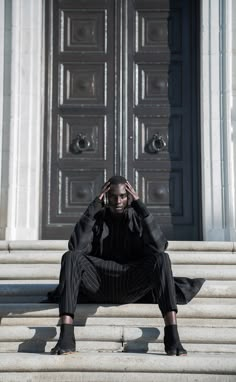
[(142, 234)]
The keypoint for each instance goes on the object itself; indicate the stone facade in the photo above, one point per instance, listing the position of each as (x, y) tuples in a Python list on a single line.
[(21, 118)]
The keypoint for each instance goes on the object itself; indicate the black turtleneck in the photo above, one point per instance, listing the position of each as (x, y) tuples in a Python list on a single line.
[(114, 246)]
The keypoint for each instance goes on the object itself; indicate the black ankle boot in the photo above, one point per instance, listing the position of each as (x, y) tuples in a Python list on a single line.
[(66, 342), (172, 342)]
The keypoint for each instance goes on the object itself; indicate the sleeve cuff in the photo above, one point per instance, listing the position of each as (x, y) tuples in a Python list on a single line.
[(140, 208)]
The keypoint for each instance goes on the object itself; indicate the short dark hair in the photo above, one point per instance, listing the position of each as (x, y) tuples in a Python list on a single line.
[(117, 179)]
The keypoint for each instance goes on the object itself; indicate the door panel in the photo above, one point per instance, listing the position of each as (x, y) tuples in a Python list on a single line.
[(121, 78), (79, 146), (160, 113)]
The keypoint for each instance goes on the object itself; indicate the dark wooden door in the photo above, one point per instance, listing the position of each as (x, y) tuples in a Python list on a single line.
[(122, 98)]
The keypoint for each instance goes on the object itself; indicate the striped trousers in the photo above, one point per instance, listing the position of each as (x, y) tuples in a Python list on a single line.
[(106, 281)]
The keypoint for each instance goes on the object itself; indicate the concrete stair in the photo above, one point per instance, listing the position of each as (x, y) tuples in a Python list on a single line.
[(116, 342)]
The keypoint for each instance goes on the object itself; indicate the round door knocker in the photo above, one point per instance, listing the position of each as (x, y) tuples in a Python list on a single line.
[(155, 144), (79, 144)]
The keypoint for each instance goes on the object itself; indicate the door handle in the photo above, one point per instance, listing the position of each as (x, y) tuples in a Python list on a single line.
[(79, 144), (155, 144)]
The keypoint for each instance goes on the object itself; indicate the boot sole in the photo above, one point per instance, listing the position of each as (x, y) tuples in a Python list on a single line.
[(178, 355)]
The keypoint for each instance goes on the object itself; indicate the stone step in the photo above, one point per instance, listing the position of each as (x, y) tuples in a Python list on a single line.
[(74, 376), (21, 292), (33, 257), (29, 271), (26, 281), (177, 257), (54, 245), (114, 377), (158, 347), (118, 321), (51, 271), (194, 363), (209, 272), (197, 308), (62, 245), (108, 333), (214, 258), (21, 299), (32, 346), (119, 334)]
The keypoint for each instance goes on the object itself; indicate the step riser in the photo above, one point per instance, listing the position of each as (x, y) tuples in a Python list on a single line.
[(42, 346), (53, 257), (120, 334), (62, 245), (51, 272), (46, 245), (190, 347), (196, 309), (34, 257), (224, 289), (93, 346), (11, 293), (118, 321), (30, 272), (21, 299), (118, 362), (38, 299), (200, 258), (112, 377)]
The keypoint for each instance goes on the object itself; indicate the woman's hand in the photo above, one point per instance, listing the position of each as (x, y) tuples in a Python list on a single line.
[(104, 190), (131, 192)]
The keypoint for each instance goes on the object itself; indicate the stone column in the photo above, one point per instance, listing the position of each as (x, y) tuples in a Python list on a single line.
[(26, 123), (232, 110), (228, 136), (5, 94), (217, 138)]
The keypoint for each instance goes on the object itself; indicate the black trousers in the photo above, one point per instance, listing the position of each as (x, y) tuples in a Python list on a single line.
[(107, 281)]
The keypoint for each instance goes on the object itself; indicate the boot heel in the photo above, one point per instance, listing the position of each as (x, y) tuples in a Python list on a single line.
[(172, 342)]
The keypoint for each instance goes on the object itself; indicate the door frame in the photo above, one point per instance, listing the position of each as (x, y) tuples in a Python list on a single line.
[(54, 225)]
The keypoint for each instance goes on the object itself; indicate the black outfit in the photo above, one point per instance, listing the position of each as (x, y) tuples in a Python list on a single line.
[(119, 260)]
